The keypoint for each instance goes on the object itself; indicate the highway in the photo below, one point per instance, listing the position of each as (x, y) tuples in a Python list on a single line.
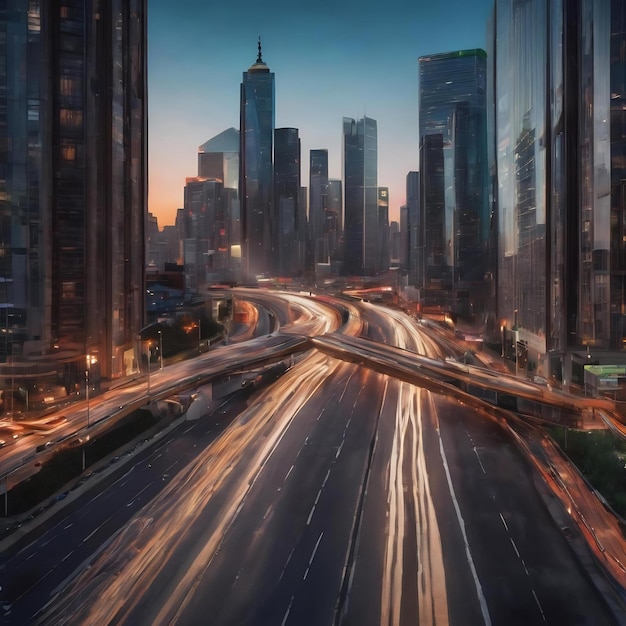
[(339, 494)]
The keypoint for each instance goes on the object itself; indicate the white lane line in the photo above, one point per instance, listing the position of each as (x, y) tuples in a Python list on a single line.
[(66, 527), (470, 561), (67, 556), (515, 548), (91, 534), (339, 450), (539, 605), (319, 493), (286, 563), (479, 461), (325, 479), (313, 555), (525, 568), (310, 515), (188, 429), (287, 612), (287, 474), (137, 495), (504, 522)]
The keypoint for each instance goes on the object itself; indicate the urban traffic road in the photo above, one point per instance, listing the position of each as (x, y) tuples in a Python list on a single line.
[(338, 495)]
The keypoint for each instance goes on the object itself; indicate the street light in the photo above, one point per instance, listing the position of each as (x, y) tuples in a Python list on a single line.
[(149, 345), (160, 349)]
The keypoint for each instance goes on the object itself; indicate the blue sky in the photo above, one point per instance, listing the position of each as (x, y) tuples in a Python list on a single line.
[(330, 59)]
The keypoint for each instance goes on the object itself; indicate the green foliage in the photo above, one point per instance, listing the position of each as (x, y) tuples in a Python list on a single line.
[(600, 457)]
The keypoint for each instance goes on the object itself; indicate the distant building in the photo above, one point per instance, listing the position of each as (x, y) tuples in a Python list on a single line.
[(414, 231), (218, 159), (334, 220), (318, 200), (256, 181), (205, 243), (288, 251), (383, 236), (394, 244), (453, 143), (360, 163), (73, 176)]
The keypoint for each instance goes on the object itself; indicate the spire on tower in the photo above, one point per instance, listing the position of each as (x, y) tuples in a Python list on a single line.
[(259, 58)]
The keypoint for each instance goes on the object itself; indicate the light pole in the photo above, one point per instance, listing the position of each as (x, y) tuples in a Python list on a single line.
[(160, 349), (149, 345), (87, 389), (199, 334), (502, 340)]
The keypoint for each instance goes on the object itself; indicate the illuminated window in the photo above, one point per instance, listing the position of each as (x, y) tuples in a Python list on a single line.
[(68, 152)]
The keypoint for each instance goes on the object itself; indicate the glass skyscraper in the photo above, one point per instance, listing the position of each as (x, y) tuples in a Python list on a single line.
[(288, 253), (318, 200), (453, 154), (360, 166), (73, 187), (560, 84), (256, 182)]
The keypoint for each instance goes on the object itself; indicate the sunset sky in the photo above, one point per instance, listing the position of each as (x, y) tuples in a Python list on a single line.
[(330, 59)]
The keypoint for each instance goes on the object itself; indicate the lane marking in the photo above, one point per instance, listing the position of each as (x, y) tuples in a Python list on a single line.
[(310, 515), (286, 563), (515, 548), (504, 522), (539, 606), (479, 590), (287, 474), (313, 555), (287, 612), (479, 461)]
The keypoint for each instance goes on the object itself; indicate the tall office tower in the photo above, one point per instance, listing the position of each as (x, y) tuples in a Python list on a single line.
[(383, 236), (360, 166), (286, 200), (256, 178), (335, 220), (218, 159), (435, 234), (318, 200), (205, 245), (403, 245), (73, 181), (560, 169), (394, 244), (415, 231), (453, 107)]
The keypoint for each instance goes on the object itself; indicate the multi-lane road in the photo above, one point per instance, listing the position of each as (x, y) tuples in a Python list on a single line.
[(337, 495)]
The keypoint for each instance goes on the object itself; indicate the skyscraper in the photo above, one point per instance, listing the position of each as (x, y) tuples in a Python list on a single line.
[(560, 146), (383, 236), (288, 253), (360, 166), (334, 219), (74, 186), (318, 200), (452, 107), (218, 159), (414, 232), (256, 180)]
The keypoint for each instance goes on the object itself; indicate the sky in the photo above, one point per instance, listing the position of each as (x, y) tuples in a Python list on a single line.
[(331, 59)]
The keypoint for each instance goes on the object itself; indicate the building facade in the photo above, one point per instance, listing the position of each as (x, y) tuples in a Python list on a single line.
[(453, 138), (256, 180), (318, 201), (73, 188), (218, 159), (360, 167), (560, 146), (288, 251)]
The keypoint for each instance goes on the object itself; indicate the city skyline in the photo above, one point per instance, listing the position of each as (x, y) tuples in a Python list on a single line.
[(359, 63)]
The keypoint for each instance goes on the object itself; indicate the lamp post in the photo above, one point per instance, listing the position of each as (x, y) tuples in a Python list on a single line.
[(160, 349), (149, 345), (87, 389), (502, 340), (199, 334)]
